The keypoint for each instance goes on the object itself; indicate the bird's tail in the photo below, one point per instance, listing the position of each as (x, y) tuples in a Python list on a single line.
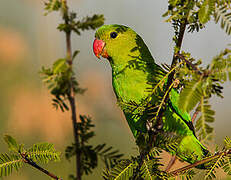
[(191, 150)]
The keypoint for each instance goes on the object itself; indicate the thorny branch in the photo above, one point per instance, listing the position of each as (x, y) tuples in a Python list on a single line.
[(71, 95), (170, 78), (195, 69), (32, 163), (171, 163), (188, 63), (178, 48), (174, 61), (203, 161)]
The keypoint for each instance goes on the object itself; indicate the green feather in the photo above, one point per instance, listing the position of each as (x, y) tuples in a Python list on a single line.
[(134, 73)]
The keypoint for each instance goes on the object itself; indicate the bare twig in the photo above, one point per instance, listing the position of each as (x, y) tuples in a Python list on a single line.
[(195, 115), (32, 163), (71, 95), (171, 163), (203, 161)]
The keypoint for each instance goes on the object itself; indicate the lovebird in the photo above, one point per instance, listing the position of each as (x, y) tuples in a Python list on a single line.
[(133, 72)]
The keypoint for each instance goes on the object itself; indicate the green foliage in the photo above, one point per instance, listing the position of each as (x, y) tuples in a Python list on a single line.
[(167, 142), (131, 106), (179, 9), (123, 170), (191, 95), (192, 11), (150, 169), (86, 23), (63, 85), (221, 66), (8, 163), (207, 116), (198, 13), (71, 24), (206, 10), (187, 175), (221, 161), (227, 163), (223, 13), (52, 5), (59, 79), (147, 165), (227, 142), (43, 152), (197, 84), (144, 167), (109, 156), (88, 153), (12, 144), (18, 155)]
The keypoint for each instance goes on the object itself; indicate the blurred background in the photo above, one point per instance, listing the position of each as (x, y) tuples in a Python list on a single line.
[(30, 40)]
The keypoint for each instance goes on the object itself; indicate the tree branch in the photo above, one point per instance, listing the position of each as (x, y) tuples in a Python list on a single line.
[(195, 69), (203, 161), (71, 95), (171, 163), (159, 124), (171, 75), (195, 115), (177, 48), (189, 63), (32, 163)]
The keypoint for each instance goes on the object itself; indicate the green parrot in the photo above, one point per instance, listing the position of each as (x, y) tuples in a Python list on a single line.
[(133, 73)]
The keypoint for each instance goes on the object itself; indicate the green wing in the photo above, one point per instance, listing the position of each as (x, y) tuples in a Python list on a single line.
[(189, 143), (173, 103)]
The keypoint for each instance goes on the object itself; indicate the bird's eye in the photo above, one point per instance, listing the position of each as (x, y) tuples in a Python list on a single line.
[(113, 35)]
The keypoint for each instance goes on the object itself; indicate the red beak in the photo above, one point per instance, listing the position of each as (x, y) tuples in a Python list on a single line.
[(99, 48)]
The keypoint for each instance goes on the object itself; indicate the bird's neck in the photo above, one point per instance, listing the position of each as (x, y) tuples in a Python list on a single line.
[(130, 76), (136, 60)]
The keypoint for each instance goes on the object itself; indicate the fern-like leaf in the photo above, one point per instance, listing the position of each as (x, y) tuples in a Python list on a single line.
[(191, 95), (146, 170), (227, 142), (206, 10), (106, 174), (8, 162), (123, 170), (108, 155), (12, 144), (217, 163), (150, 169), (207, 116), (221, 66), (90, 23), (224, 14), (227, 166), (43, 152)]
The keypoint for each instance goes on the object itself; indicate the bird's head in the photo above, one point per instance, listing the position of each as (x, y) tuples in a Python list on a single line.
[(113, 41)]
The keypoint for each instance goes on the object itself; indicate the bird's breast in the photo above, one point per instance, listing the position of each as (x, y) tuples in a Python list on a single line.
[(131, 85)]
